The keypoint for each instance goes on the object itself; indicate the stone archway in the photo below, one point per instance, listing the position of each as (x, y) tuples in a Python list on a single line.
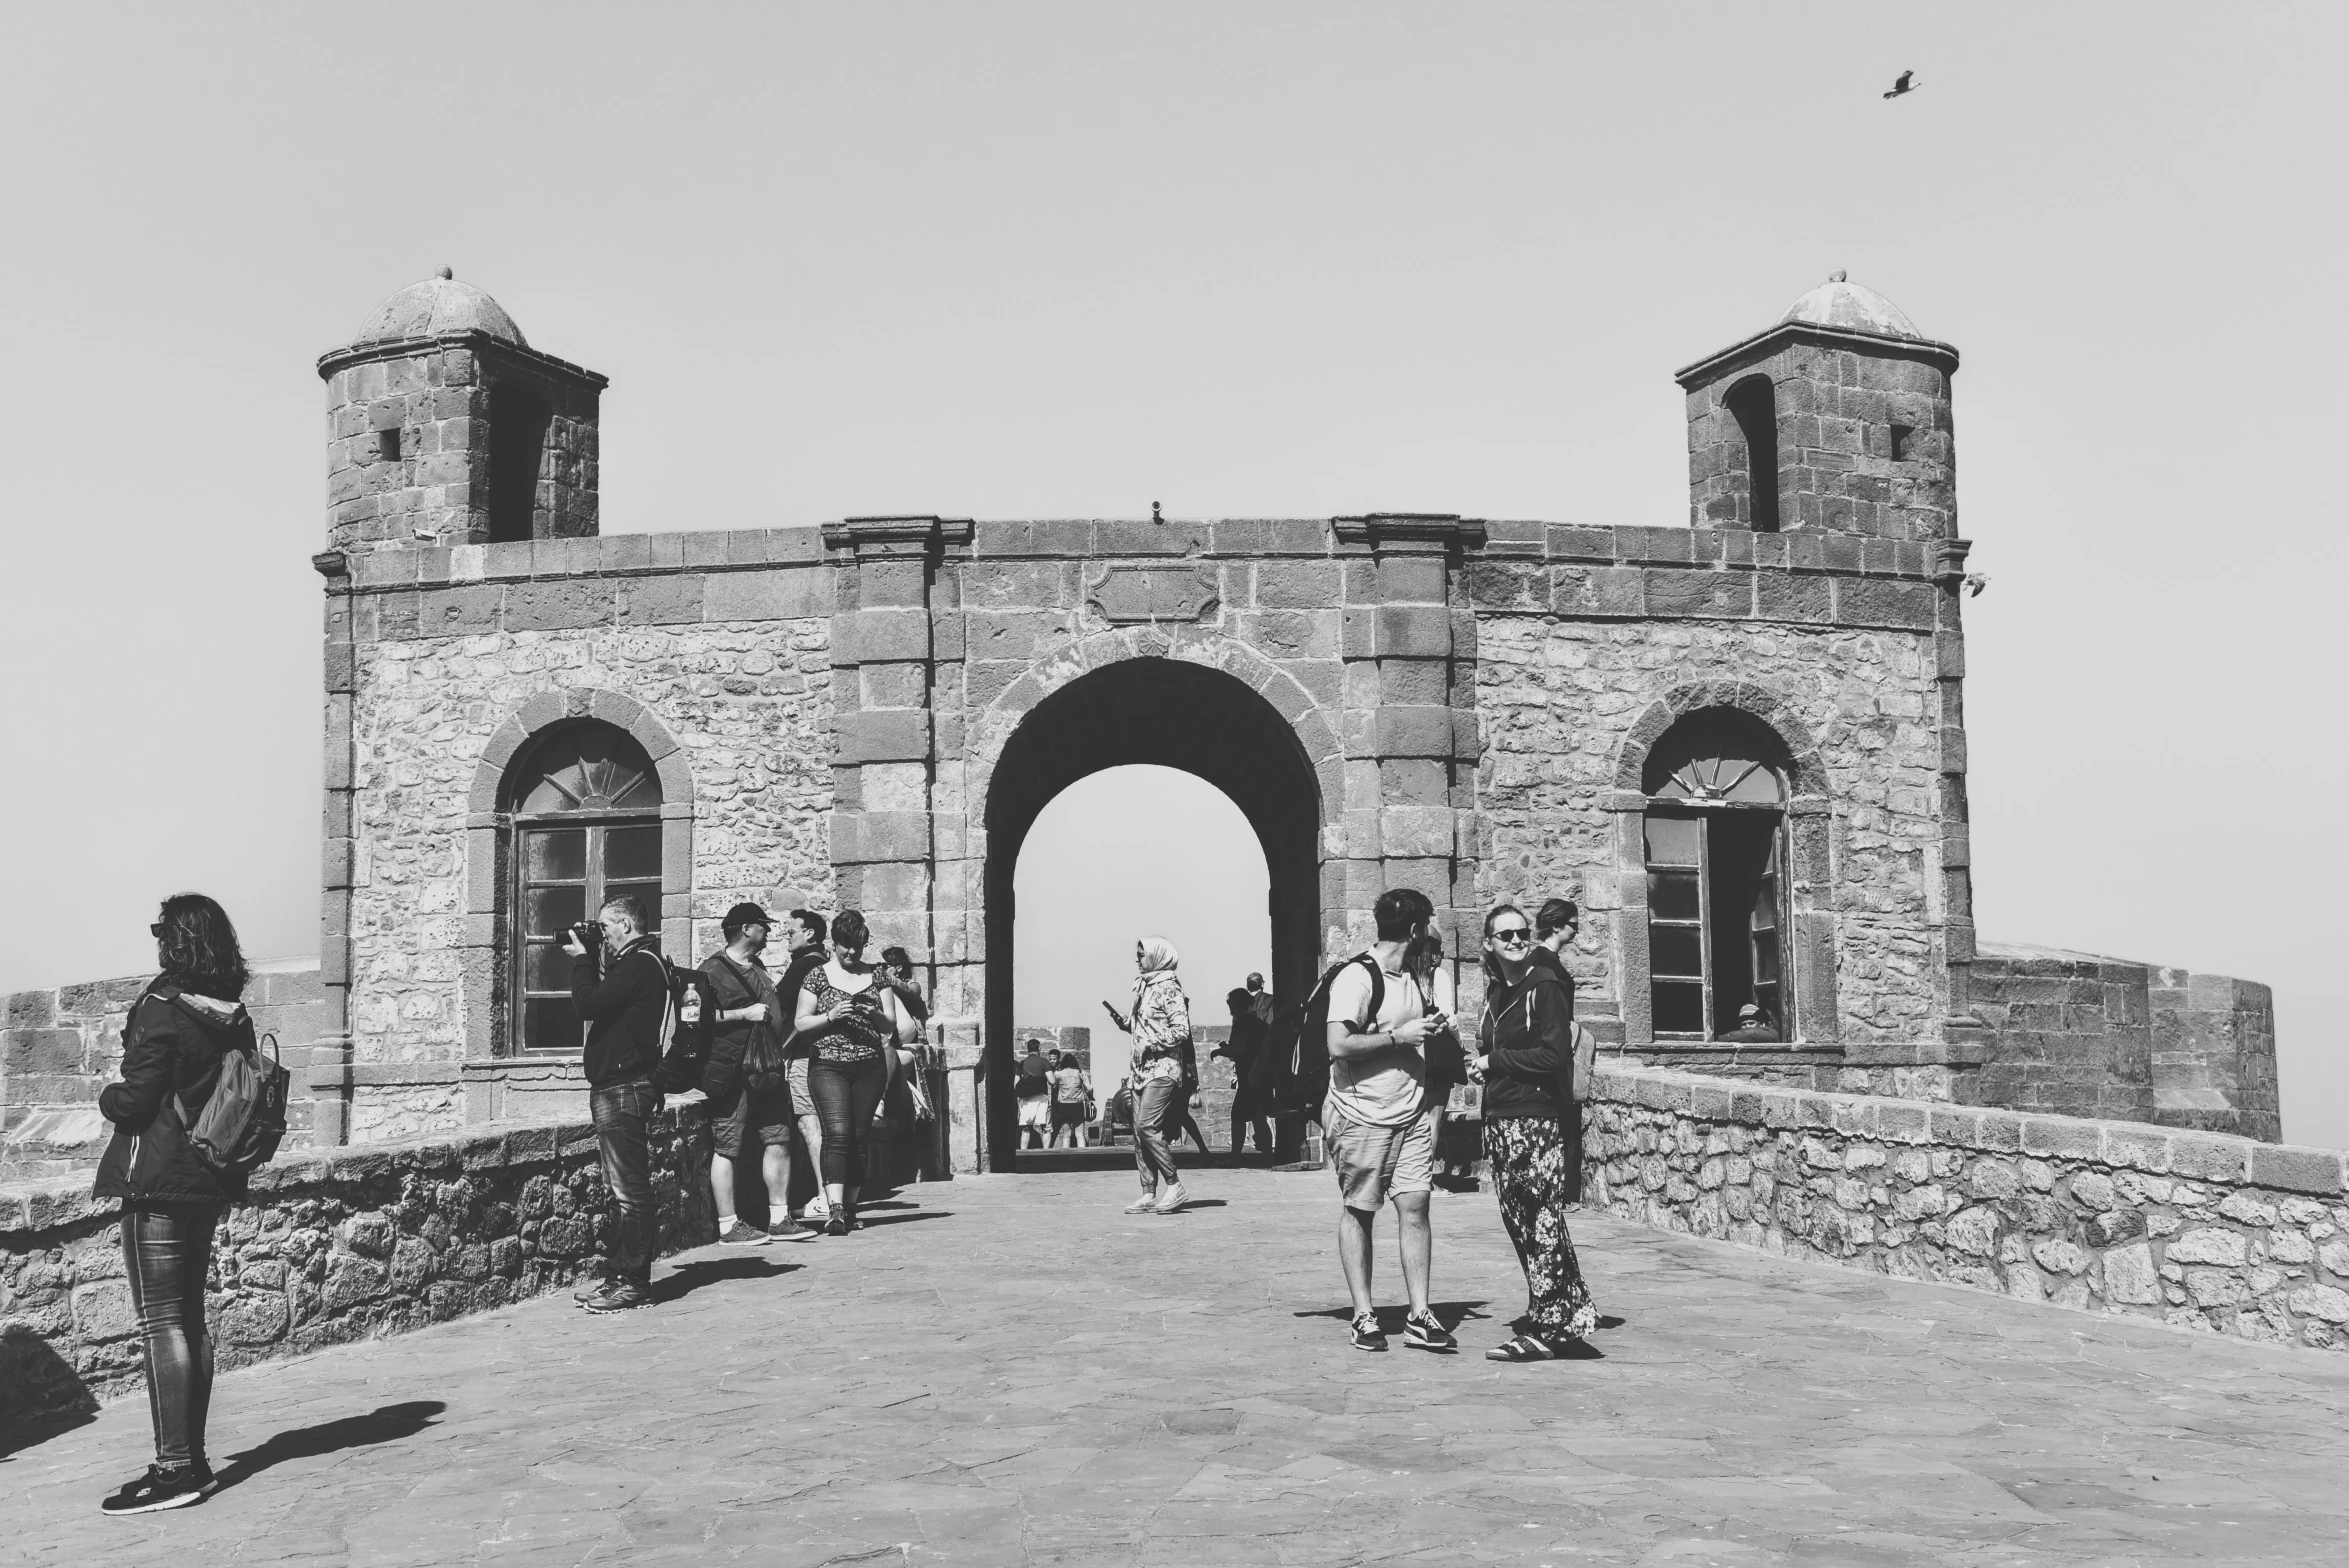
[(1178, 714)]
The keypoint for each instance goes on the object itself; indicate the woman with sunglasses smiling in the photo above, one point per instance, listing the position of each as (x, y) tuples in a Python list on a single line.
[(1527, 1041)]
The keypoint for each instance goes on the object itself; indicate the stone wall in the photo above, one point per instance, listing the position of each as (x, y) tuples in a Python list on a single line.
[(2081, 1035), (2201, 1230), (61, 1047), (353, 1244), (745, 702), (1556, 696)]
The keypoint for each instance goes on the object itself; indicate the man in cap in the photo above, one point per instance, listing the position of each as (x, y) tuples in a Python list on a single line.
[(746, 1041)]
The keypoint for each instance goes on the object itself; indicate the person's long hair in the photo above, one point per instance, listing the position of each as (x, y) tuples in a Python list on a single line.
[(199, 948)]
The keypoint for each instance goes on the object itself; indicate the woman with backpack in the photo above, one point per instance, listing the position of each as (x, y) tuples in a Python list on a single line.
[(173, 1043), (1528, 1045)]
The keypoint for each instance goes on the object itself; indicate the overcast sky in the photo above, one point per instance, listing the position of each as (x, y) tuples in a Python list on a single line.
[(1014, 261)]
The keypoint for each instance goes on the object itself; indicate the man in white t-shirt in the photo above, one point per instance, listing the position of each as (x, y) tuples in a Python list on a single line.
[(1379, 1123)]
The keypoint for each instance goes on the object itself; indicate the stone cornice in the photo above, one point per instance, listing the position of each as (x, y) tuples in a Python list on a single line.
[(1942, 356), (478, 342), (1376, 529), (886, 536)]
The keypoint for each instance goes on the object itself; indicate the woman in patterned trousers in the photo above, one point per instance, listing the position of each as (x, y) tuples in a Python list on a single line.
[(1527, 1063)]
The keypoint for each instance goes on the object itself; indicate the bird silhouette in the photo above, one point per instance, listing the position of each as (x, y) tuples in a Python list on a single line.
[(1902, 84)]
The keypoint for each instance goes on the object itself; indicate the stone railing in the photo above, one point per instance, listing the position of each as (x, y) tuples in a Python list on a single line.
[(2204, 1230), (334, 1245)]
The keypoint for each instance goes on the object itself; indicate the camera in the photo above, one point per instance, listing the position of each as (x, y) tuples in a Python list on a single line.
[(590, 934)]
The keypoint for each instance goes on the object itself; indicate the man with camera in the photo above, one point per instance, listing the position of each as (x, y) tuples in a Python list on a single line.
[(624, 1000)]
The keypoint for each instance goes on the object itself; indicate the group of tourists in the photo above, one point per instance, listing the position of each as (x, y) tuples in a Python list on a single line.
[(1386, 1019), (1055, 1099), (811, 1053)]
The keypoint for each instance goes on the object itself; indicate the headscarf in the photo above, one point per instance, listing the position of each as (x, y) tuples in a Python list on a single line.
[(1158, 958)]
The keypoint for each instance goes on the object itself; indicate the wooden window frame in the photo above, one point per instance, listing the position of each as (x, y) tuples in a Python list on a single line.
[(594, 885), (1704, 813)]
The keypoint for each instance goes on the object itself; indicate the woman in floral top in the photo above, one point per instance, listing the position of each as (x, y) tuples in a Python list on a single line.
[(1161, 1027), (855, 1022)]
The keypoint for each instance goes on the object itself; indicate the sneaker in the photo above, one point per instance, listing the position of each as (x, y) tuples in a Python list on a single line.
[(1171, 1200), (620, 1296), (738, 1234), (1367, 1334), (161, 1488), (1145, 1204), (818, 1210), (586, 1294), (792, 1230), (836, 1226), (1425, 1333)]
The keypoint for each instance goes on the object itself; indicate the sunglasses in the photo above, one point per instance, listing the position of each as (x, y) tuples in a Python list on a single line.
[(155, 930), (1512, 936)]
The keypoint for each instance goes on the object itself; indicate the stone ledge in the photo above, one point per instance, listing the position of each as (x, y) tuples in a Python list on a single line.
[(2199, 1230)]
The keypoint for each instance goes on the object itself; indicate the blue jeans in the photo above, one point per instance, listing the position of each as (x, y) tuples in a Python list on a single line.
[(623, 1113), (167, 1252)]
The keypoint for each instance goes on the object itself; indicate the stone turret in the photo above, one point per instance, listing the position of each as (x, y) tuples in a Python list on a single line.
[(445, 427), (1834, 420)]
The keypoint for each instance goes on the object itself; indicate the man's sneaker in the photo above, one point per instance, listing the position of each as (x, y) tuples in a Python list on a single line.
[(791, 1230), (738, 1234), (161, 1488), (837, 1225), (1425, 1333), (1367, 1334), (587, 1293), (1171, 1200), (1145, 1204), (619, 1296)]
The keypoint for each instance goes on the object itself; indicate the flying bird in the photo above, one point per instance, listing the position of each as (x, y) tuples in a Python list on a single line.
[(1902, 84)]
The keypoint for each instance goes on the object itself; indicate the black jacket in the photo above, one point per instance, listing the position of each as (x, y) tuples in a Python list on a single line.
[(623, 1012), (171, 1048), (1528, 1040), (805, 961)]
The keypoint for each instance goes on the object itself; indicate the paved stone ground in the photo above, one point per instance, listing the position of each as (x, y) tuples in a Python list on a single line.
[(1003, 1370)]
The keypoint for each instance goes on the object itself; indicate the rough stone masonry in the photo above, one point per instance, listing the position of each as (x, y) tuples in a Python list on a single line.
[(1740, 743)]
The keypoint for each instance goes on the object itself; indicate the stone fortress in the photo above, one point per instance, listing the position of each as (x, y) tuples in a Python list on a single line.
[(1740, 743)]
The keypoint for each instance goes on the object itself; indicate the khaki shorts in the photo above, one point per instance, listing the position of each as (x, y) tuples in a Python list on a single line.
[(795, 1079), (1378, 1163)]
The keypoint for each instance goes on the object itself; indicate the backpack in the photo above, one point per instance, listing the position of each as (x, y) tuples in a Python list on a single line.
[(1292, 1070), (683, 1047), (238, 1129)]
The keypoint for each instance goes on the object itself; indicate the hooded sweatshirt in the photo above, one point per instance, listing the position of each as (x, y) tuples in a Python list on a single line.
[(1528, 1040), (171, 1048)]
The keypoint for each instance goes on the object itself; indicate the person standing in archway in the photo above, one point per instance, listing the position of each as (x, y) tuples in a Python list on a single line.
[(1031, 1086), (1161, 1026), (1380, 1125), (1072, 1100), (1527, 1063), (1251, 1010)]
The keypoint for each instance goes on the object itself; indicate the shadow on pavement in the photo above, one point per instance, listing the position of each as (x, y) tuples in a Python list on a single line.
[(384, 1424), (686, 1278), (19, 1435), (1451, 1314), (876, 1221)]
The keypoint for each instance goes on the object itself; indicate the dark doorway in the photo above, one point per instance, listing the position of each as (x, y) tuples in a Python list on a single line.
[(518, 421), (1174, 714), (1753, 403)]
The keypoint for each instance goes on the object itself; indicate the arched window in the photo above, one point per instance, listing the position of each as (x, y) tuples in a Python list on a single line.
[(1753, 403), (584, 804), (518, 420), (1716, 855)]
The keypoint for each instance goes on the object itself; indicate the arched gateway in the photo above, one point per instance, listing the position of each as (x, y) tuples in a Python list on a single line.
[(872, 714)]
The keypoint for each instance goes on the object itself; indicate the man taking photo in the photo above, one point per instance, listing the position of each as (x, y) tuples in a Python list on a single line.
[(623, 1002)]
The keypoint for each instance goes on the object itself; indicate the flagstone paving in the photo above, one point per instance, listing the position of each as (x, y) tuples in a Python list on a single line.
[(1005, 1370)]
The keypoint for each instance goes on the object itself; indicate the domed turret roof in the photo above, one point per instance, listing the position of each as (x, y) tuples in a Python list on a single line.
[(440, 304), (1840, 303)]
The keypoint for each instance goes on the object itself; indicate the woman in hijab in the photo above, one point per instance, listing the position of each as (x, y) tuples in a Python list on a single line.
[(1161, 1027)]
